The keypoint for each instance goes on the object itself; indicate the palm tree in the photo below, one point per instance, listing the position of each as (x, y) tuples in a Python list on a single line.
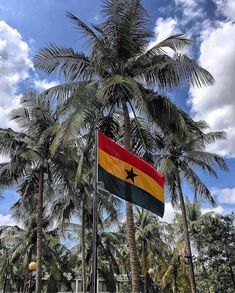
[(194, 218), (32, 167), (23, 155), (119, 67), (21, 243), (178, 157), (150, 245), (68, 205), (172, 269), (78, 202)]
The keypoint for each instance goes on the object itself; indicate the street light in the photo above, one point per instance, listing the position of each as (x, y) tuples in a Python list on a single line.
[(32, 267), (149, 278)]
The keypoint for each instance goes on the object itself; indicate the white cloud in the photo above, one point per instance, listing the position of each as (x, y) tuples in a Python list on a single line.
[(217, 210), (191, 10), (4, 159), (42, 85), (230, 9), (224, 195), (14, 67), (216, 104), (97, 17), (169, 213), (226, 7), (7, 220), (164, 28)]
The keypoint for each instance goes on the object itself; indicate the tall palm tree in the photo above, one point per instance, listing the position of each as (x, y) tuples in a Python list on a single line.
[(78, 202), (195, 218), (178, 157), (121, 69), (21, 243), (150, 244), (22, 149), (66, 207), (81, 232), (172, 269), (31, 166)]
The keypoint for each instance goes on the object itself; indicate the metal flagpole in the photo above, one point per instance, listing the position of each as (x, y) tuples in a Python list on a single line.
[(95, 207)]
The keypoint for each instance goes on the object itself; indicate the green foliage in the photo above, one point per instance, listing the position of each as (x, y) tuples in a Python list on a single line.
[(56, 134), (125, 288), (19, 249), (215, 259)]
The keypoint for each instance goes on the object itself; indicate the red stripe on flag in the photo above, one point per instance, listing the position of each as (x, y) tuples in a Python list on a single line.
[(115, 150)]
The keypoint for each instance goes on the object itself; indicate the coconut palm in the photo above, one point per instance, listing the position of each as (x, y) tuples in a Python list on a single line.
[(194, 217), (121, 69), (81, 232), (24, 154), (66, 207), (172, 271), (31, 166), (21, 243), (78, 203), (149, 241), (178, 158)]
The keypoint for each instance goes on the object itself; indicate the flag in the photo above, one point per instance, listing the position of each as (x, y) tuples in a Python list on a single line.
[(130, 177)]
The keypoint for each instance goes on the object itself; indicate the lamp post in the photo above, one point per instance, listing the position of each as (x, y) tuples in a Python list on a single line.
[(149, 280), (32, 267)]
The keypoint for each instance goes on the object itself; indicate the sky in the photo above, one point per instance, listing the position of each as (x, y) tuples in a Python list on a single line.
[(28, 25)]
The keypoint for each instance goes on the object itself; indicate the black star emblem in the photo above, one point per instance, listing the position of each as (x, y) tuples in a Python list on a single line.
[(130, 174)]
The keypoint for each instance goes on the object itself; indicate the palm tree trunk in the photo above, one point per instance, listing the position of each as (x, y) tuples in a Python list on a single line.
[(219, 280), (175, 283), (145, 279), (186, 235), (232, 274), (230, 269), (29, 258), (83, 246), (129, 214), (39, 233), (144, 266), (205, 274), (4, 284)]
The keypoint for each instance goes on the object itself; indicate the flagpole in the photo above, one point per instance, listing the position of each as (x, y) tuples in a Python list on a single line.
[(95, 214)]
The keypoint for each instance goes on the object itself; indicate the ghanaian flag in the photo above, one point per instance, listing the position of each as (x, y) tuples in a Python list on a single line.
[(129, 177)]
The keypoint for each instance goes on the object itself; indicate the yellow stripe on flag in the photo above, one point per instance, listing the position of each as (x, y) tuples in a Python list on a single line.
[(117, 168)]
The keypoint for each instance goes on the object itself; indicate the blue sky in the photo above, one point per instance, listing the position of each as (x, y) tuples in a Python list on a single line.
[(26, 26)]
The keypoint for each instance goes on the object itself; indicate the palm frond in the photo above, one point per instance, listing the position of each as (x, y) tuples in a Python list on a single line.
[(72, 65), (125, 27), (200, 163), (10, 140), (170, 72), (82, 27), (166, 114), (197, 184), (174, 42), (59, 93), (211, 137), (203, 157)]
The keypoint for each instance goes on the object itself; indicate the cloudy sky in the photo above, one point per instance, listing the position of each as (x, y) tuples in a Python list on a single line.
[(26, 26)]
